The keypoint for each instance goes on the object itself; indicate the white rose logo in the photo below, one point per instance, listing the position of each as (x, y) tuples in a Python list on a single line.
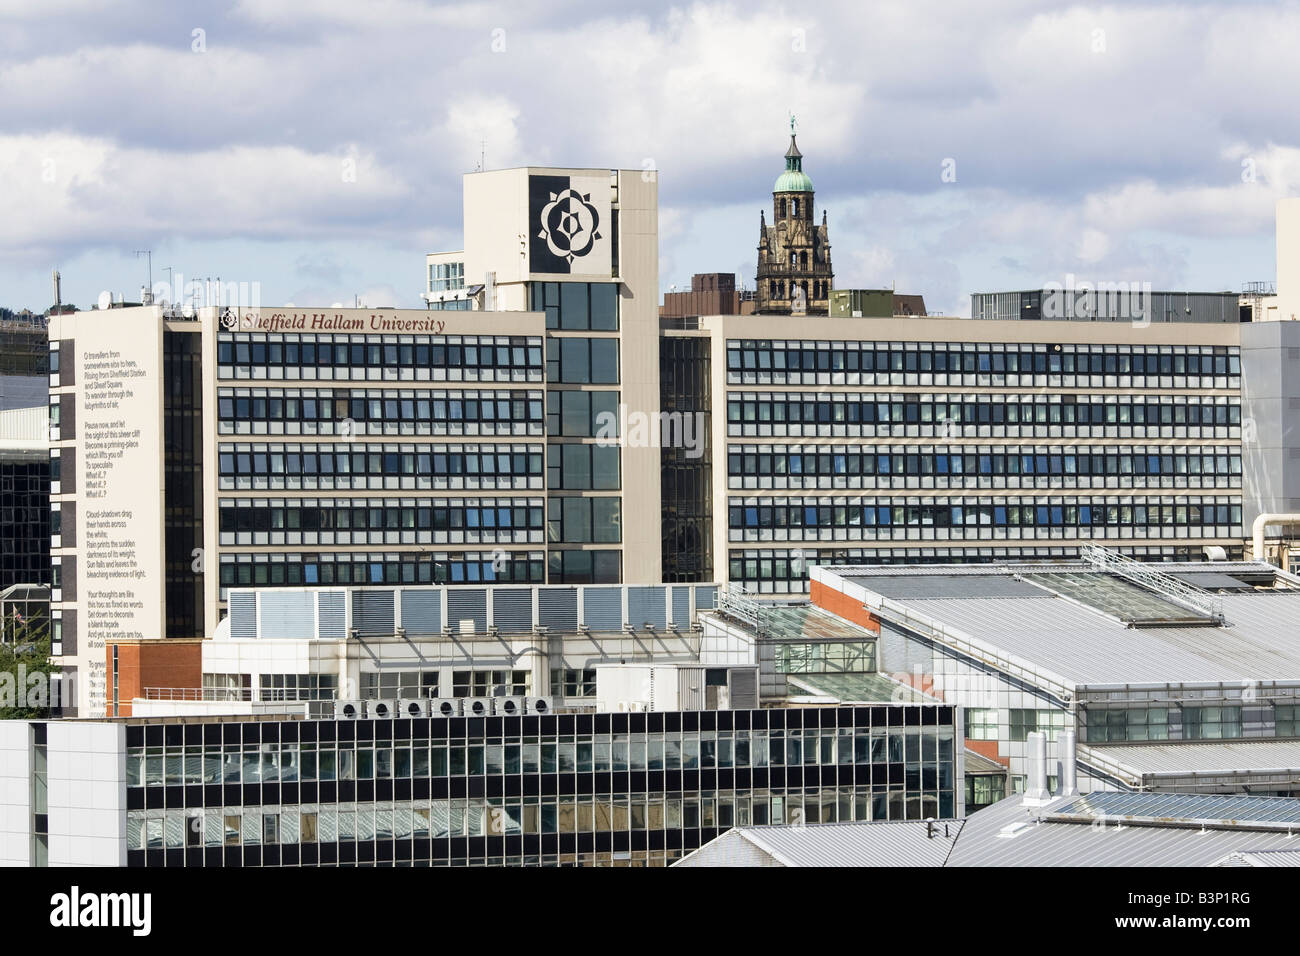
[(570, 224)]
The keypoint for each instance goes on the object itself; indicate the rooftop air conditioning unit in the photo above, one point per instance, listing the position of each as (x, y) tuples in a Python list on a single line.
[(539, 705), (445, 706), (510, 706), (349, 709), (413, 707), (477, 706), (381, 709)]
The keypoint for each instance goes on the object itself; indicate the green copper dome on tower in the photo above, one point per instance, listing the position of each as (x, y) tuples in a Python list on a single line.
[(794, 179)]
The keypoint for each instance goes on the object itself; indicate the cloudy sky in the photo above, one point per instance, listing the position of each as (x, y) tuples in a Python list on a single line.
[(316, 146)]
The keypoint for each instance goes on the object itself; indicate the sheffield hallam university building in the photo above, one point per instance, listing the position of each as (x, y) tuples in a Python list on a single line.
[(249, 447)]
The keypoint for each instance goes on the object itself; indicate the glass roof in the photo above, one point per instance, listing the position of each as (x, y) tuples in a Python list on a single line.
[(1117, 597), (1226, 810), (858, 688), (803, 622)]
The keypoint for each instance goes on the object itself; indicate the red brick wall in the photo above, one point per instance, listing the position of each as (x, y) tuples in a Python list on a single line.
[(840, 604), (988, 748), (158, 663)]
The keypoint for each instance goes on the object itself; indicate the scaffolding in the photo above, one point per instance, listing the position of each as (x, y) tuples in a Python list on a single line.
[(24, 360)]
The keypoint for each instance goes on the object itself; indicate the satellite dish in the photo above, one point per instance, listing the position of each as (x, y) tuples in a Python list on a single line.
[(105, 299)]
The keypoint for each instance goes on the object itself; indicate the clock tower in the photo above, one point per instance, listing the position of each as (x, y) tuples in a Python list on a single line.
[(794, 252)]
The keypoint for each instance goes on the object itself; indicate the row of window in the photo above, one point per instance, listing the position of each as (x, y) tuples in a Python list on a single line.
[(297, 570), (378, 467), (825, 657), (446, 276), (895, 460), (379, 519), (926, 754), (785, 570), (951, 412), (882, 718), (354, 412), (501, 567), (1136, 363), (982, 723), (271, 687), (394, 685), (573, 682), (1114, 725), (453, 357), (868, 513), (478, 817)]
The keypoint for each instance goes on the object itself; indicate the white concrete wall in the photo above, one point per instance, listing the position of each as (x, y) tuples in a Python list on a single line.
[(1288, 258), (87, 778), (15, 793)]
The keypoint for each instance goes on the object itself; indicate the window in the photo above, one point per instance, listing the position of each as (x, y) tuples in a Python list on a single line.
[(1211, 723), (1287, 719), (584, 306), (388, 685), (583, 467), (1025, 722), (227, 686), (984, 789), (490, 683), (571, 682), (582, 361), (295, 687), (582, 414), (584, 567), (1120, 725), (981, 724), (584, 520), (826, 658)]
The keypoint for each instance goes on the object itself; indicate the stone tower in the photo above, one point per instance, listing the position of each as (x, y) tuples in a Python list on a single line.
[(794, 253)]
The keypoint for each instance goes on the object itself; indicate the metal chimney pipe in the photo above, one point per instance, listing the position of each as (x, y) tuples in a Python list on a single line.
[(1036, 781), (1067, 749)]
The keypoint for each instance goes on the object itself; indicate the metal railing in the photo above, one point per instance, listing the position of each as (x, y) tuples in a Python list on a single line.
[(734, 601), (1166, 585), (198, 693)]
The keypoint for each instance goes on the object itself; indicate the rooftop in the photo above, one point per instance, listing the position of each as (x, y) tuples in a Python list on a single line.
[(883, 843), (1126, 829), (857, 688), (1075, 625), (1181, 758)]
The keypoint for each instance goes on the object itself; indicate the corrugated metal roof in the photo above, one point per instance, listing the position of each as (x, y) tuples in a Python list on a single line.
[(25, 430), (1183, 757), (1085, 646), (901, 843), (991, 837), (1212, 579), (1262, 858), (976, 762), (1238, 810)]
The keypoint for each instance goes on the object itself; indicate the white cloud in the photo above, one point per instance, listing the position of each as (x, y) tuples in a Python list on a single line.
[(76, 191)]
